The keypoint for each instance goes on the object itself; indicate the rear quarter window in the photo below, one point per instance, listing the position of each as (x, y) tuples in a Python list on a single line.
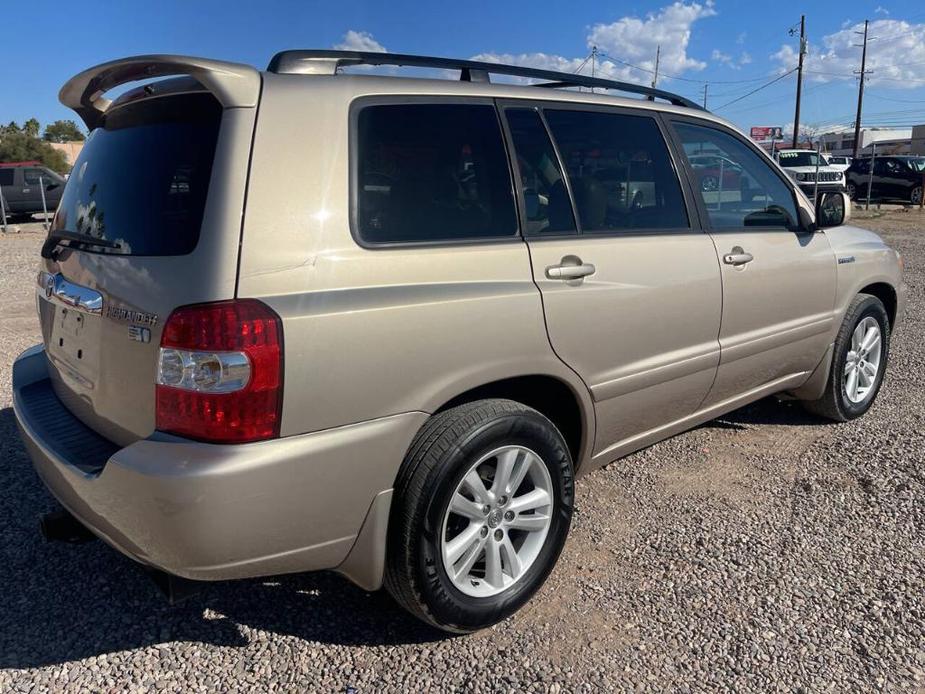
[(6, 177), (432, 173)]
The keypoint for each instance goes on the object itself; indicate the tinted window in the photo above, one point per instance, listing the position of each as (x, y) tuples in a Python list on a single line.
[(432, 172), (32, 177), (546, 201), (142, 177), (6, 177), (860, 165), (619, 170), (739, 188)]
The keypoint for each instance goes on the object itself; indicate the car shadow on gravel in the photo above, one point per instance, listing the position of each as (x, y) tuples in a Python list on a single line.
[(768, 411), (63, 602)]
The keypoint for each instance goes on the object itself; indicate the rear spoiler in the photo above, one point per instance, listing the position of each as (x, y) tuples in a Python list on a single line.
[(234, 85)]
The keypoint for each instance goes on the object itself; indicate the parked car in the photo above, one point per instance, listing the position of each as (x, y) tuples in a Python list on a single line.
[(897, 178), (837, 162), (396, 365), (21, 185), (803, 164)]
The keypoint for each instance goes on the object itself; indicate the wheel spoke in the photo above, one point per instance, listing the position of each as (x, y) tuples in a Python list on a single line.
[(469, 558), (857, 337), (519, 472), (871, 340), (530, 523), (849, 363), (466, 508), (531, 500), (475, 485), (456, 547), (851, 387), (507, 462), (870, 371), (511, 560), (493, 573)]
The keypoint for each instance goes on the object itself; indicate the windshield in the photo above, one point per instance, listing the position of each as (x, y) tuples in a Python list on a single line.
[(141, 179), (806, 158), (917, 164)]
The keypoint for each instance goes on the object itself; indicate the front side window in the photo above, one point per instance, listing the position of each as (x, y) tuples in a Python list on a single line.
[(546, 201), (739, 188), (432, 172), (34, 176), (6, 176), (620, 171)]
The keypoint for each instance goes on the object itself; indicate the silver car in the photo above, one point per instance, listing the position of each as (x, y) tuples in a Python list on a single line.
[(302, 319)]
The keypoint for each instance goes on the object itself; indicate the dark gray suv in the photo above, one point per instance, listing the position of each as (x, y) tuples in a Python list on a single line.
[(21, 185)]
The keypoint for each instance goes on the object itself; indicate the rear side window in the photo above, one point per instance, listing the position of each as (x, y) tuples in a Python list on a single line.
[(141, 179), (620, 171), (432, 172), (6, 177), (546, 200)]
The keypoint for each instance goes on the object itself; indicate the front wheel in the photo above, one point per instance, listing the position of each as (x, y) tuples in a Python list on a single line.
[(858, 363), (483, 505), (852, 191)]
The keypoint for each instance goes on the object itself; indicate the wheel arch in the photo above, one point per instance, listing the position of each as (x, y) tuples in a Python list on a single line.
[(552, 396), (887, 295)]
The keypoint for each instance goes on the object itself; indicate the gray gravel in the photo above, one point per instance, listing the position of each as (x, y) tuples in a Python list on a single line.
[(767, 551)]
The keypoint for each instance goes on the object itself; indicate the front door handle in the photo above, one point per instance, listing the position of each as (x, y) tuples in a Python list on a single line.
[(570, 268), (738, 257)]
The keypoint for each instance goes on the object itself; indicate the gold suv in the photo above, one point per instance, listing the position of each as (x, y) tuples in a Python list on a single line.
[(305, 319)]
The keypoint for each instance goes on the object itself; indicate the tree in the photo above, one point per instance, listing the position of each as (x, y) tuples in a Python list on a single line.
[(31, 127), (63, 131), (11, 127), (18, 146)]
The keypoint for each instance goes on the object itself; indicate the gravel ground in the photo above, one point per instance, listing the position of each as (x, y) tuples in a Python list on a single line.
[(766, 551)]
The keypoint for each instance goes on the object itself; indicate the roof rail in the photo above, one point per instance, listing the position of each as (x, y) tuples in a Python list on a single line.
[(325, 62)]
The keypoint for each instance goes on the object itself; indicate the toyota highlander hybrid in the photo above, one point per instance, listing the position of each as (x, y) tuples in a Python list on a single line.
[(394, 366)]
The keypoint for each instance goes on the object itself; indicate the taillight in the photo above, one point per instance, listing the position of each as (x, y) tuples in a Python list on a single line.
[(219, 372)]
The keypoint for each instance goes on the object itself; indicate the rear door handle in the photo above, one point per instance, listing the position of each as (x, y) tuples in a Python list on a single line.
[(738, 257), (571, 268)]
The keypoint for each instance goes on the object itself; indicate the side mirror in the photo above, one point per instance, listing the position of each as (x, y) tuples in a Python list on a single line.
[(52, 186), (832, 210)]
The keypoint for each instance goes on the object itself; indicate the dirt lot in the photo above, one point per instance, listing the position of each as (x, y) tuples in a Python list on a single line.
[(764, 551)]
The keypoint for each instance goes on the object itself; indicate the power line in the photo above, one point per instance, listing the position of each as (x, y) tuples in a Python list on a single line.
[(758, 89)]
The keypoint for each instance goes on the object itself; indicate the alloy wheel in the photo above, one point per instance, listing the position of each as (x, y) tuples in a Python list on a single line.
[(497, 521), (862, 363)]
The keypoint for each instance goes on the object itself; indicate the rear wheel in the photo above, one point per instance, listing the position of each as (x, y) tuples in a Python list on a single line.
[(483, 506), (916, 196), (858, 363)]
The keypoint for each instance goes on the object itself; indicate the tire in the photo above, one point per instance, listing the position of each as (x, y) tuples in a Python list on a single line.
[(432, 474), (836, 404), (915, 197), (852, 192)]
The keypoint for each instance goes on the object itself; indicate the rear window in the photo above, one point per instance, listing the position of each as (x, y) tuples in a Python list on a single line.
[(432, 172), (143, 175)]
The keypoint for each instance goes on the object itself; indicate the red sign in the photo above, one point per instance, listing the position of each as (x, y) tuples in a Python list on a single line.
[(766, 132)]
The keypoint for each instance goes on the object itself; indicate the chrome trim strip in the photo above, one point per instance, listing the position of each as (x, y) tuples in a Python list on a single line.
[(69, 294)]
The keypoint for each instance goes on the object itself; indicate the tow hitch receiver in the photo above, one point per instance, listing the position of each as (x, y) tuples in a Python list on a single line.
[(61, 526)]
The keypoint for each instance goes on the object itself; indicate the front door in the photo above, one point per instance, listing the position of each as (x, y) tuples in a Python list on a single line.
[(778, 281), (630, 285)]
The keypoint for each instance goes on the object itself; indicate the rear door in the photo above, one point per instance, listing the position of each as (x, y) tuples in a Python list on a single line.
[(778, 281), (162, 180), (630, 284)]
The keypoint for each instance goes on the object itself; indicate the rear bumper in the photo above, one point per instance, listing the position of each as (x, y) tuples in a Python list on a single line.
[(211, 512)]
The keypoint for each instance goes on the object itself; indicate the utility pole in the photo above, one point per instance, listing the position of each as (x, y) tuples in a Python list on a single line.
[(796, 116), (705, 85), (658, 52), (857, 120)]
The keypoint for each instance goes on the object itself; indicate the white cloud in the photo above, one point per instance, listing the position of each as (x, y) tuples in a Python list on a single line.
[(740, 39), (631, 40), (729, 61), (360, 41), (895, 55), (882, 10)]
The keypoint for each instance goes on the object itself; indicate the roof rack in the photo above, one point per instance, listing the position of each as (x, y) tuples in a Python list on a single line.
[(325, 62)]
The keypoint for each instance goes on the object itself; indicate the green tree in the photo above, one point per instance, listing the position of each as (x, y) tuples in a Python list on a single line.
[(18, 146), (11, 127), (63, 131), (31, 127)]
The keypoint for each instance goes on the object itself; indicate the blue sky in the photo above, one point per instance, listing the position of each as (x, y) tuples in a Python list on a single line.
[(734, 46)]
